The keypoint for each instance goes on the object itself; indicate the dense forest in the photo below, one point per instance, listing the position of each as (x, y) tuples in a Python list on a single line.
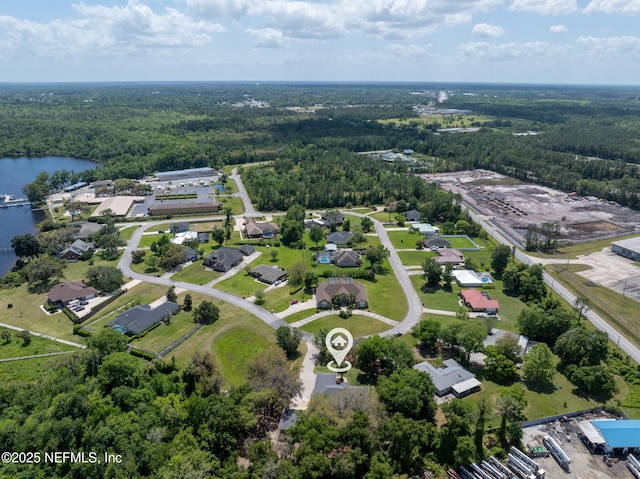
[(587, 138)]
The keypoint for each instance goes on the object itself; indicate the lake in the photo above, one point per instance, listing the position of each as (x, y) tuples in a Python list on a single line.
[(14, 174)]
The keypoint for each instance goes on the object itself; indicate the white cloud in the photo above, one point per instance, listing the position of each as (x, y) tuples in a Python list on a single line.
[(411, 51), (106, 31), (513, 50), (266, 37), (617, 7), (546, 7), (336, 18), (487, 30), (557, 29), (608, 46)]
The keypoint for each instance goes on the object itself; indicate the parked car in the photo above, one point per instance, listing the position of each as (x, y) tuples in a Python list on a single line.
[(293, 301), (481, 315)]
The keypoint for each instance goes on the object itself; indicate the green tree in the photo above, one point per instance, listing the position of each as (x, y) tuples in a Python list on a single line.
[(106, 341), (582, 347), (217, 235), (500, 258), (539, 365), (592, 379), (323, 356), (582, 304), (117, 369), (270, 369), (172, 257), (188, 302), (109, 243), (171, 294), (6, 336), (291, 232), (377, 356), (42, 272), (499, 367), (366, 224), (376, 256), (471, 336), (105, 278), (289, 340), (432, 272), (427, 331), (25, 335), (409, 392), (310, 281), (316, 235), (206, 313), (274, 255), (296, 274), (26, 246)]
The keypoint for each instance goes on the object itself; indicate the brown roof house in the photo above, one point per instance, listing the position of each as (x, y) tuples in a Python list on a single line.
[(63, 293), (341, 292), (448, 255), (261, 230), (76, 249)]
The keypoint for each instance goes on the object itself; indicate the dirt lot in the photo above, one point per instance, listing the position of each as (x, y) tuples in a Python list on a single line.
[(584, 465), (515, 206)]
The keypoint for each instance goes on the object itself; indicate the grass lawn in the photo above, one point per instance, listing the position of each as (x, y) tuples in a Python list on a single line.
[(196, 273), (482, 258), (233, 202), (415, 258), (146, 240), (383, 216), (25, 370), (436, 298), (127, 232), (241, 284), (26, 313), (165, 334), (386, 296), (576, 250), (460, 243), (356, 324), (15, 349), (277, 299), (620, 312), (404, 239), (292, 318)]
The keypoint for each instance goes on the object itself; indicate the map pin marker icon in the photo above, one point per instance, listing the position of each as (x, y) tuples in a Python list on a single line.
[(339, 342)]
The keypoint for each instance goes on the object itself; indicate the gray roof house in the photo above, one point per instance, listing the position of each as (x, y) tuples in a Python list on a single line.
[(261, 230), (203, 237), (140, 318), (87, 229), (333, 217), (76, 249), (179, 227), (346, 259), (413, 215), (340, 237), (341, 288), (452, 378), (268, 274), (190, 254), (223, 259), (436, 240)]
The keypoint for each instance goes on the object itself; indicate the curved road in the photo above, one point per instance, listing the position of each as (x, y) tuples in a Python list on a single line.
[(615, 336)]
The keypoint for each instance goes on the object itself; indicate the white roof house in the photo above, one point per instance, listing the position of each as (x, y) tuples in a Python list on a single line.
[(184, 236)]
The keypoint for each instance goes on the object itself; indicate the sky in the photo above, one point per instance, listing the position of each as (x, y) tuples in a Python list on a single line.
[(496, 41)]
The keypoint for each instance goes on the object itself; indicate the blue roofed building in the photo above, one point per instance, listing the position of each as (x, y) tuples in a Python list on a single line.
[(620, 436)]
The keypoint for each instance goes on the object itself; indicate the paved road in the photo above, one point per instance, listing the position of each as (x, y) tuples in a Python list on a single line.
[(242, 192), (556, 286)]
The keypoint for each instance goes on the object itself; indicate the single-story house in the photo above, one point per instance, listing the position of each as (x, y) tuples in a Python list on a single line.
[(340, 237), (452, 378), (471, 279), (326, 384), (629, 248), (180, 238), (184, 207), (333, 217), (315, 222), (88, 229), (190, 254), (268, 274), (447, 255), (342, 288), (76, 249), (261, 230), (247, 249), (101, 184), (140, 318), (436, 241), (223, 259), (178, 227), (203, 237), (413, 215), (346, 259), (63, 293), (479, 301), (425, 229)]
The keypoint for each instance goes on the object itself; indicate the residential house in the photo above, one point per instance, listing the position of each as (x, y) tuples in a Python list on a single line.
[(203, 237), (479, 301), (344, 290), (326, 383), (436, 241), (449, 256), (413, 215), (264, 230), (268, 274), (63, 293), (140, 318), (340, 237), (178, 227), (190, 254), (87, 230), (333, 217), (315, 222), (180, 238), (425, 229), (346, 259), (223, 259), (101, 184), (452, 378), (247, 249), (76, 249)]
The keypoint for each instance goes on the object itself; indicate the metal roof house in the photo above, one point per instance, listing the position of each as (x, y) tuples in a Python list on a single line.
[(452, 378)]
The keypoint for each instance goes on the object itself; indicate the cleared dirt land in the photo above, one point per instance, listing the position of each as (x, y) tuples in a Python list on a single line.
[(515, 206)]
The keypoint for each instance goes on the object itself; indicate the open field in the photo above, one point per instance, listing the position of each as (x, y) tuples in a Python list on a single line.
[(196, 273), (447, 121), (277, 299), (292, 318), (415, 258), (233, 202), (404, 239), (357, 325), (25, 370), (165, 334), (15, 349)]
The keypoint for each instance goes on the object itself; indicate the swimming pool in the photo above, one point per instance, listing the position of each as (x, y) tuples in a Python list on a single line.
[(119, 328), (324, 260)]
